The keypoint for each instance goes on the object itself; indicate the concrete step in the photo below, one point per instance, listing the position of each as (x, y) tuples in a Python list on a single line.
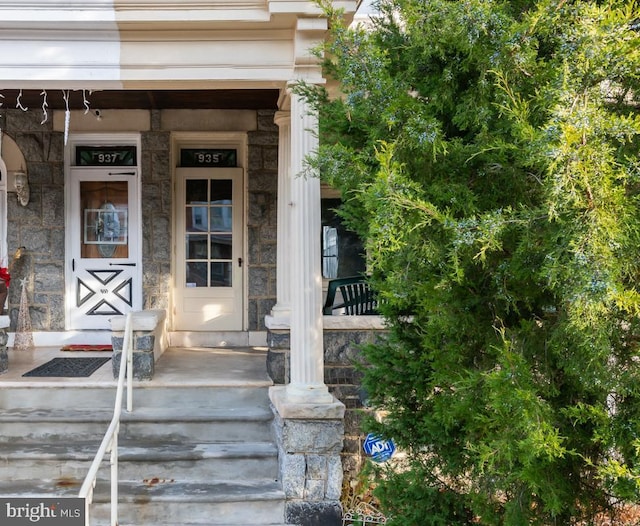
[(141, 460), (169, 502), (225, 424), (52, 396)]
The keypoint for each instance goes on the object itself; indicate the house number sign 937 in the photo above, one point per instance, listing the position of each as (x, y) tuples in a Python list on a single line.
[(105, 156)]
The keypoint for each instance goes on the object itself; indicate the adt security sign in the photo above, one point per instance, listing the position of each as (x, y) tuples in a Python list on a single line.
[(378, 448)]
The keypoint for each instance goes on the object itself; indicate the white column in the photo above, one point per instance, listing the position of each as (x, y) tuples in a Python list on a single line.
[(282, 308), (307, 353)]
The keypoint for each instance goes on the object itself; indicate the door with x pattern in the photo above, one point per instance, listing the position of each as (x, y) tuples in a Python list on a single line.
[(105, 256)]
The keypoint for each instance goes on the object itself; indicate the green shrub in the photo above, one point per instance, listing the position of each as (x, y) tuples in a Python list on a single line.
[(488, 153)]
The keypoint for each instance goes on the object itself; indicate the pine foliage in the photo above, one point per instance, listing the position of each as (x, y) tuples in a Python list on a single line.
[(489, 154)]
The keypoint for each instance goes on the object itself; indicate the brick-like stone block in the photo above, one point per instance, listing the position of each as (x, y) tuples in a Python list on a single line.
[(293, 470), (317, 467), (311, 436), (314, 490), (305, 513)]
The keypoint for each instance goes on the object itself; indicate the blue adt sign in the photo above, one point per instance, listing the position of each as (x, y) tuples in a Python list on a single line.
[(378, 448)]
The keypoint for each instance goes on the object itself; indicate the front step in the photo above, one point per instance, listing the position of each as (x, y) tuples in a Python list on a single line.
[(215, 424), (191, 453), (139, 460), (155, 501)]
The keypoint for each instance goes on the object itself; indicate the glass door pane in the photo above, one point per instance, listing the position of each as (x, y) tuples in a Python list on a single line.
[(209, 232), (104, 219)]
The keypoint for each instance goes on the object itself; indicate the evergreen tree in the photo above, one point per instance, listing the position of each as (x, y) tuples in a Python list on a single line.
[(488, 153)]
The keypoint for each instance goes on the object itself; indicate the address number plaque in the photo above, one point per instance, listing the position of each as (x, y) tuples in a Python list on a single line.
[(208, 157), (105, 156)]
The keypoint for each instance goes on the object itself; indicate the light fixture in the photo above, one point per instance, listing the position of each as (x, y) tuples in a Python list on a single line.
[(21, 184)]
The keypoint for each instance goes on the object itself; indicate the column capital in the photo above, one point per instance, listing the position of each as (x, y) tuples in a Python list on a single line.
[(282, 118)]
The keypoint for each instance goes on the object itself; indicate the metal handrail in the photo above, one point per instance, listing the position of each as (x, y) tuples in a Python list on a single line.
[(109, 443)]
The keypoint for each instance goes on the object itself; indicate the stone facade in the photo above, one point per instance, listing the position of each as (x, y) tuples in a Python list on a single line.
[(156, 216), (262, 218), (40, 226)]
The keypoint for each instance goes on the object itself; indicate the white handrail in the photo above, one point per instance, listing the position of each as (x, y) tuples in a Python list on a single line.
[(110, 441)]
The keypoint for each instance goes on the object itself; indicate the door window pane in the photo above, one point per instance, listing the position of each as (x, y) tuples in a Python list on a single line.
[(197, 191), (197, 247), (221, 219), (196, 218), (220, 274), (221, 246), (221, 191), (196, 274)]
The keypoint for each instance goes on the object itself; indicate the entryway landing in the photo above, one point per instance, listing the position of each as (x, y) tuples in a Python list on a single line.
[(177, 366)]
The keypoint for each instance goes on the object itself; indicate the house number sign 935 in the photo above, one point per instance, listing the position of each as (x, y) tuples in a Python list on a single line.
[(211, 157)]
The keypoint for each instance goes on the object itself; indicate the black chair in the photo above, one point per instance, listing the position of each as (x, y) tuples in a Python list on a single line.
[(358, 298)]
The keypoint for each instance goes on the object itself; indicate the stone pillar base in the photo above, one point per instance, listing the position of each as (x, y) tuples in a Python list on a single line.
[(310, 440), (4, 337), (149, 342)]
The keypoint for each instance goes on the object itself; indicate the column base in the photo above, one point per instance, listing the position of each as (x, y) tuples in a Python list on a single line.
[(326, 407)]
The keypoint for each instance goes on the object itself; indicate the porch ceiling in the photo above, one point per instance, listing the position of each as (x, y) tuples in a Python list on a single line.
[(251, 99)]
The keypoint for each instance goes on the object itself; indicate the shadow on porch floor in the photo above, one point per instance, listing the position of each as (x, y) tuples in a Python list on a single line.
[(177, 366)]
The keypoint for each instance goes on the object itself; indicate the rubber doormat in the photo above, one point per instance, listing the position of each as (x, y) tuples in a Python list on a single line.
[(68, 367)]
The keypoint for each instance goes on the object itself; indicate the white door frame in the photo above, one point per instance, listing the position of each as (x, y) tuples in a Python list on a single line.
[(93, 139), (231, 140)]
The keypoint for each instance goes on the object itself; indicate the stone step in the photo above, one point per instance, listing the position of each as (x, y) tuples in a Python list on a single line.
[(224, 424), (70, 461), (169, 502), (52, 396)]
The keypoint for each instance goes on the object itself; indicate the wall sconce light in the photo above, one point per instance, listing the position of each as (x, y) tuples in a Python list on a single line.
[(21, 183)]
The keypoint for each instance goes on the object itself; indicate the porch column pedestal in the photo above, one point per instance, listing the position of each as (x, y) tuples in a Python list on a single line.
[(309, 420)]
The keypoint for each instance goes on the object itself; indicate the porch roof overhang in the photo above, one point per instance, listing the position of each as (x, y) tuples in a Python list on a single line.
[(221, 46), (251, 99)]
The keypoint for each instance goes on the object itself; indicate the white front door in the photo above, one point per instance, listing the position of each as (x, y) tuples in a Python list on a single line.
[(104, 263), (209, 247)]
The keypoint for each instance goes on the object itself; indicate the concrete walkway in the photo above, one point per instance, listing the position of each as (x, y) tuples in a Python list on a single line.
[(177, 366)]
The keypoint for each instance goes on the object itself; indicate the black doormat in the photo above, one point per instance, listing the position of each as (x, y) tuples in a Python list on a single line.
[(69, 367)]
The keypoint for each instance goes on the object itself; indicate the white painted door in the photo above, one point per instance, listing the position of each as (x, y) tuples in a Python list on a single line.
[(104, 264), (209, 248)]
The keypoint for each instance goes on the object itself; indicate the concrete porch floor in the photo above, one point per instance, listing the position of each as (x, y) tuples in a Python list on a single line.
[(177, 366)]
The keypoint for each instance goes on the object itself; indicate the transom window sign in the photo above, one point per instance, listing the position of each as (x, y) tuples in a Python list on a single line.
[(208, 157), (106, 155)]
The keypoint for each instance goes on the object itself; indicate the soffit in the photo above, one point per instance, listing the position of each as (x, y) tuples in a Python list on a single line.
[(251, 99)]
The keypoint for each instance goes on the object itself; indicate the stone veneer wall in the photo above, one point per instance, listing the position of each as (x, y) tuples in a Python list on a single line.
[(341, 354), (39, 226), (262, 176), (156, 216)]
